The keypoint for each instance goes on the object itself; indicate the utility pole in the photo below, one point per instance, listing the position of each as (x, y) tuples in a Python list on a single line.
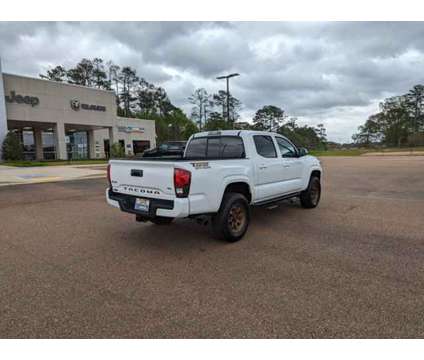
[(227, 77)]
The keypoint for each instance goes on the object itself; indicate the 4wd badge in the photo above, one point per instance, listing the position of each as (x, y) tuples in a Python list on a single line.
[(200, 165)]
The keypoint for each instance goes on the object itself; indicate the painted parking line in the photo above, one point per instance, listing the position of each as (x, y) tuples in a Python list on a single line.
[(45, 179), (32, 176)]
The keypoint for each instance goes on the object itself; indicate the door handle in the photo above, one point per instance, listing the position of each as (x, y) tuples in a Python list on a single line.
[(286, 166), (262, 167)]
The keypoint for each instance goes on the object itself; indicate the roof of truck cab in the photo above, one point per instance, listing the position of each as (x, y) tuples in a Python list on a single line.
[(230, 133)]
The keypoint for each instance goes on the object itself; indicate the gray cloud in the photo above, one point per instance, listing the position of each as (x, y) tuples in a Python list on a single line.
[(334, 73)]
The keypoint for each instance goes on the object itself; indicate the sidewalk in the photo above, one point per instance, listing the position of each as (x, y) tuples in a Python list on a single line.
[(10, 175)]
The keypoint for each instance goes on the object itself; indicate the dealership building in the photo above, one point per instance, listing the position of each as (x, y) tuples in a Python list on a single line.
[(56, 120)]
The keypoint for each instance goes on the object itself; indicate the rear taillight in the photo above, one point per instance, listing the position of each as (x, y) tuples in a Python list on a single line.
[(182, 179), (108, 176)]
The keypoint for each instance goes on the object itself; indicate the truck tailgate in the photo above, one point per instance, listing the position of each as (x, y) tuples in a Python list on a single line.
[(153, 179)]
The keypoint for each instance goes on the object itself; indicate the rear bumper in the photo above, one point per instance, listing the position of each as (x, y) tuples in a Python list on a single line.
[(177, 208)]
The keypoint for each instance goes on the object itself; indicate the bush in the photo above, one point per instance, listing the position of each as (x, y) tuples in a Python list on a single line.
[(12, 148), (117, 151), (416, 139)]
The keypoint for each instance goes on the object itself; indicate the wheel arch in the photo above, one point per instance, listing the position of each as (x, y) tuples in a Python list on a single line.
[(315, 172), (240, 187)]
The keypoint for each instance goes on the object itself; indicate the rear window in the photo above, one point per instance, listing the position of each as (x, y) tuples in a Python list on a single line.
[(197, 148), (232, 147), (222, 147)]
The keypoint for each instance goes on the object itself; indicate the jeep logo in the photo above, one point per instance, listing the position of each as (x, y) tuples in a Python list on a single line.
[(76, 105), (22, 99)]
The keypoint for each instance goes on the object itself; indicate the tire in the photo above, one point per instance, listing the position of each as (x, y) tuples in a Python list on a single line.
[(311, 196), (161, 220), (233, 218)]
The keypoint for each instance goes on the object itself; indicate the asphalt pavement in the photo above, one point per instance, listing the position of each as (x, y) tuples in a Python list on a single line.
[(73, 267)]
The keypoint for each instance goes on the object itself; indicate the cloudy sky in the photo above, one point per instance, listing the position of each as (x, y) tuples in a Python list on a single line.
[(332, 73)]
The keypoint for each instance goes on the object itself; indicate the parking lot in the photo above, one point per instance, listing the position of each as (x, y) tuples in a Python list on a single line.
[(70, 266)]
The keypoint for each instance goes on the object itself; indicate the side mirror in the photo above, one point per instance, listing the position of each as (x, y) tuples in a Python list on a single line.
[(303, 152)]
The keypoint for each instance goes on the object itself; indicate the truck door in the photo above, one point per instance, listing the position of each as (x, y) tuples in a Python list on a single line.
[(291, 166), (267, 168)]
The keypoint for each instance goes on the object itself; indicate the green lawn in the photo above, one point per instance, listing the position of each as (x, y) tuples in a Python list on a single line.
[(347, 152), (357, 152), (53, 163), (417, 148)]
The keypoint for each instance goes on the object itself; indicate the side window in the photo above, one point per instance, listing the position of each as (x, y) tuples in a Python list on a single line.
[(232, 147), (196, 148), (265, 146), (286, 148)]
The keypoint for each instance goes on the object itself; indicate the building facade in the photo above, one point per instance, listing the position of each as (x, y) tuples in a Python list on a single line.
[(63, 121)]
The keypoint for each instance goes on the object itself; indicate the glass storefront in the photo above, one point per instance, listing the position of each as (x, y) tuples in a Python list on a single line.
[(77, 145), (28, 142), (49, 145)]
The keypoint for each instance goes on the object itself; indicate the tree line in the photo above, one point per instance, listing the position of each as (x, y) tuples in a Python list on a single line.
[(136, 97), (400, 122), (210, 113)]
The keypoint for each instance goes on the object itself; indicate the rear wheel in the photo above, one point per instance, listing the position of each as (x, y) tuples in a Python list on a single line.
[(232, 220), (161, 220), (311, 196)]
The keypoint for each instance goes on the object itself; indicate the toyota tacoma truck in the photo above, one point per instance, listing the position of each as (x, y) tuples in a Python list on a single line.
[(219, 177)]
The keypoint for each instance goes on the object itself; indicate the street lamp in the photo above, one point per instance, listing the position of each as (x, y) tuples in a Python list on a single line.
[(227, 77)]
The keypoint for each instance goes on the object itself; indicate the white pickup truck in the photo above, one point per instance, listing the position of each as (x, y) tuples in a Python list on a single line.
[(221, 174)]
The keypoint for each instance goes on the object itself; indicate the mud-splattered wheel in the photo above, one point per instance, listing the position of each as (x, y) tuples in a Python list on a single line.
[(232, 220)]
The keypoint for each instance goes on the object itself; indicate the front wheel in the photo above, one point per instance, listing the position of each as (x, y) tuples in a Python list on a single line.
[(311, 196), (232, 220)]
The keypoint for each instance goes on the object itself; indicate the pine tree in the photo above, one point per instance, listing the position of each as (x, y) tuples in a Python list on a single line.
[(12, 148)]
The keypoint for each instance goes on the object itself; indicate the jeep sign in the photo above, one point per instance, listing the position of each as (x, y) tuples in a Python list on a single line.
[(22, 99)]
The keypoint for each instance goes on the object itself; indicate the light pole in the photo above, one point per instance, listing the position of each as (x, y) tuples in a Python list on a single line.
[(227, 77)]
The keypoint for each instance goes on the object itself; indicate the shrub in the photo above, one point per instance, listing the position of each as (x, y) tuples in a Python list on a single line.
[(12, 148), (117, 151), (416, 139)]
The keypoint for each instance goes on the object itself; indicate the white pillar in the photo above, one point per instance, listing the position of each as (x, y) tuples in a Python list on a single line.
[(91, 144), (113, 135), (61, 152), (38, 139), (3, 116)]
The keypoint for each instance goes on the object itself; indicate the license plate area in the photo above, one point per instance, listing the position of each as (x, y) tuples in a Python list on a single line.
[(142, 204)]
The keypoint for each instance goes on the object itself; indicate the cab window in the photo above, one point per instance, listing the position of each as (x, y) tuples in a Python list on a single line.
[(232, 147), (265, 146), (196, 148), (219, 147), (287, 149)]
